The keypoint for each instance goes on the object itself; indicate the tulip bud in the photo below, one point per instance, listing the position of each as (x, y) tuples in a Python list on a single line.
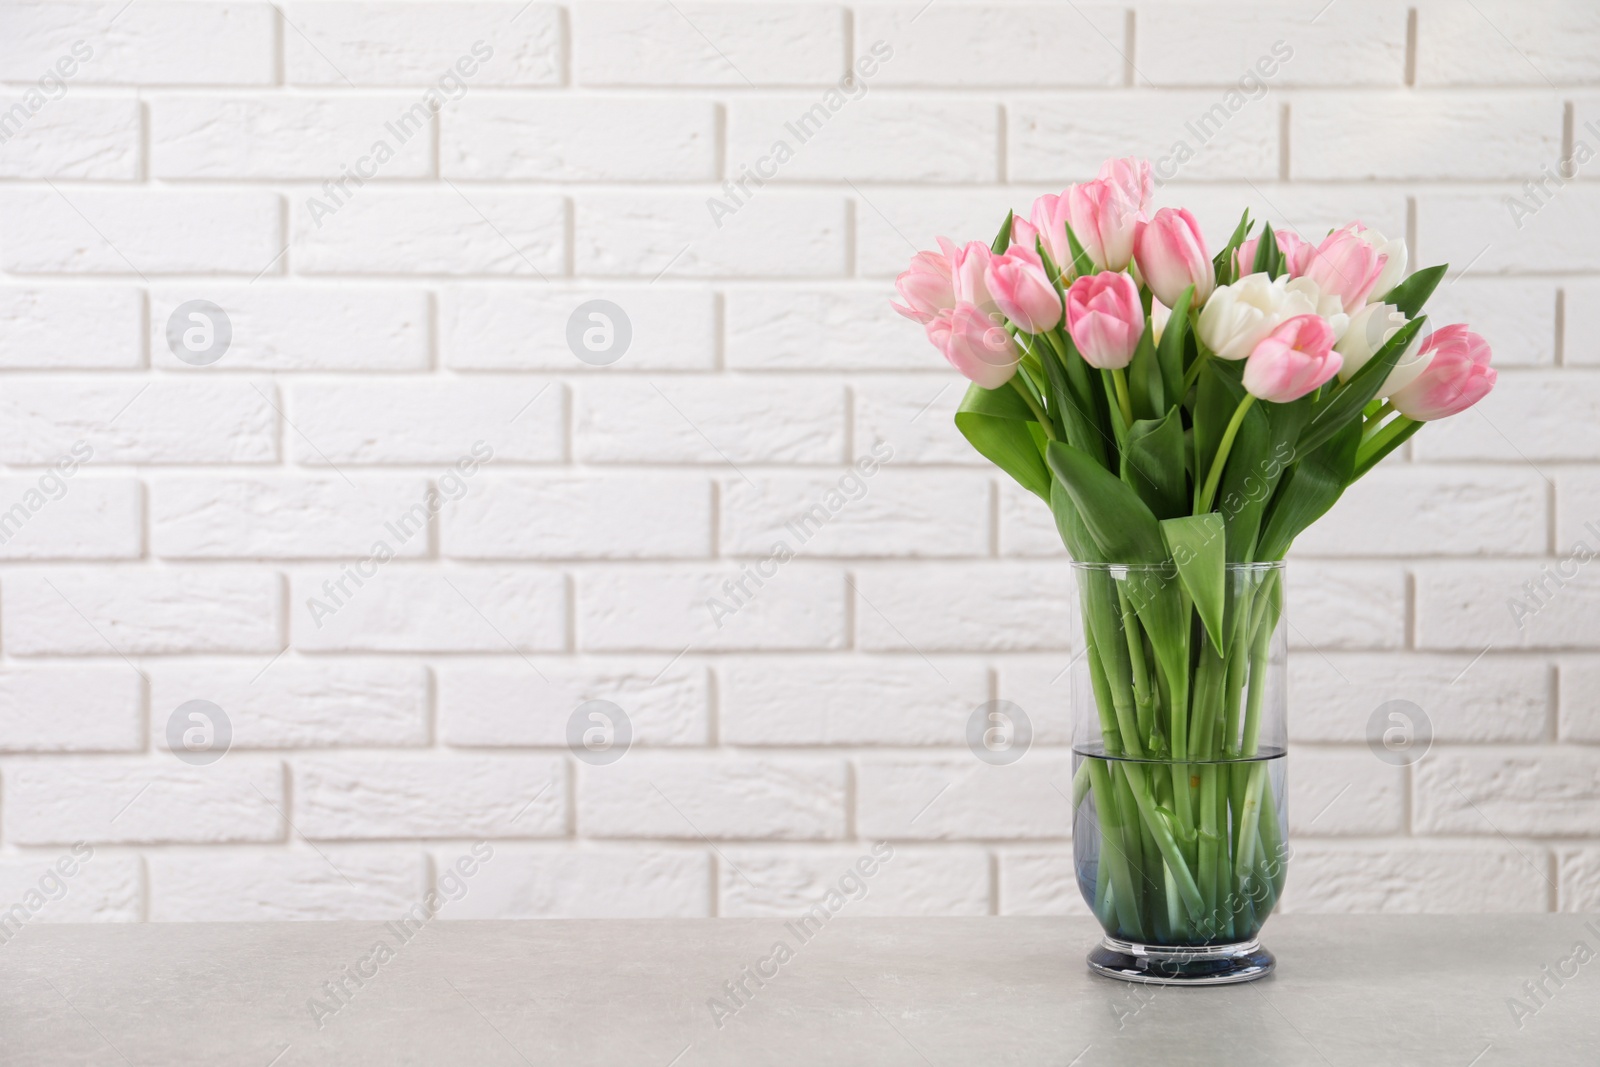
[(969, 266), (1455, 375), (1238, 316), (1104, 220), (926, 286), (1048, 220), (1105, 318), (975, 345), (1023, 291), (1171, 253), (1345, 265), (1292, 360), (1295, 253), (1133, 177), (1369, 330)]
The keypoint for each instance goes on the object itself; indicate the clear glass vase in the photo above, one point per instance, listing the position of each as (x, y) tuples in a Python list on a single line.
[(1179, 821)]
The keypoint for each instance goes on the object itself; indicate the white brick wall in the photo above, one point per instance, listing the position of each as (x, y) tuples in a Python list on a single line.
[(399, 633)]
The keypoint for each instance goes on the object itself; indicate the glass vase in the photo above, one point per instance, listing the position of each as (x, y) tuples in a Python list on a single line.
[(1179, 830)]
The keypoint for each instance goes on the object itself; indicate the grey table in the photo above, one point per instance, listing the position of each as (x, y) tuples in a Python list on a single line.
[(1349, 990)]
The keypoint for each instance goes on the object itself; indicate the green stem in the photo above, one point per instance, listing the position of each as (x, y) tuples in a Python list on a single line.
[(1113, 857), (1119, 377), (1209, 493), (1033, 406), (1373, 439), (1192, 375)]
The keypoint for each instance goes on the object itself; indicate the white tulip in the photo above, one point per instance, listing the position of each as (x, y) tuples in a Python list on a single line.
[(1328, 305), (1370, 329), (1394, 268), (1238, 316)]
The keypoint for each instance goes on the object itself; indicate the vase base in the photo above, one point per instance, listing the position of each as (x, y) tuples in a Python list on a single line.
[(1243, 961)]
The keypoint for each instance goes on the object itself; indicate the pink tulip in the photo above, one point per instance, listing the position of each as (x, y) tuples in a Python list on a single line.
[(1345, 265), (1104, 220), (926, 286), (1023, 291), (1133, 177), (1024, 232), (1048, 220), (969, 266), (1296, 253), (1171, 253), (1292, 360), (975, 345), (1105, 318), (1457, 375)]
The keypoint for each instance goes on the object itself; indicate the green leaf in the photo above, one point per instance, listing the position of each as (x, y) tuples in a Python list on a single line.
[(1216, 395), (1222, 263), (1121, 526), (1070, 526), (1002, 240), (1366, 463), (1268, 260), (1169, 353), (1333, 412), (1145, 388), (1153, 465), (1411, 294), (1247, 483), (1081, 263), (1197, 544), (999, 425), (1309, 489)]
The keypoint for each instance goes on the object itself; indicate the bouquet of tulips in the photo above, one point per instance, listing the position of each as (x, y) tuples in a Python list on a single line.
[(1183, 414)]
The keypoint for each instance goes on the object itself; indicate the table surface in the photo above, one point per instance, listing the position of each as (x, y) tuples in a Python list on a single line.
[(1363, 990)]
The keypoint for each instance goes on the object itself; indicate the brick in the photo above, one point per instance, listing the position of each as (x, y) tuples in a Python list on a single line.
[(668, 609), (708, 44), (1498, 44), (1195, 135), (915, 416), (135, 800), (1577, 510), (449, 47), (1532, 604), (1580, 705), (77, 326), (711, 420), (361, 797), (785, 883), (1360, 43), (1026, 527), (109, 611), (290, 137), (154, 43), (761, 233), (1518, 316), (427, 231), (581, 517), (124, 421), (847, 701), (994, 44), (714, 797), (1345, 606), (1338, 792), (821, 329), (95, 140), (1040, 882), (610, 883), (140, 231), (434, 422), (1537, 227), (491, 704), (1046, 689), (1580, 339), (52, 517), (1495, 698), (891, 228), (964, 799), (1513, 423), (1400, 509), (580, 139), (991, 607), (888, 514), (515, 328), (1536, 791), (1452, 137), (189, 885), (299, 703), (1416, 877), (870, 139), (1579, 879), (102, 886), (83, 708), (407, 608), (277, 517)]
